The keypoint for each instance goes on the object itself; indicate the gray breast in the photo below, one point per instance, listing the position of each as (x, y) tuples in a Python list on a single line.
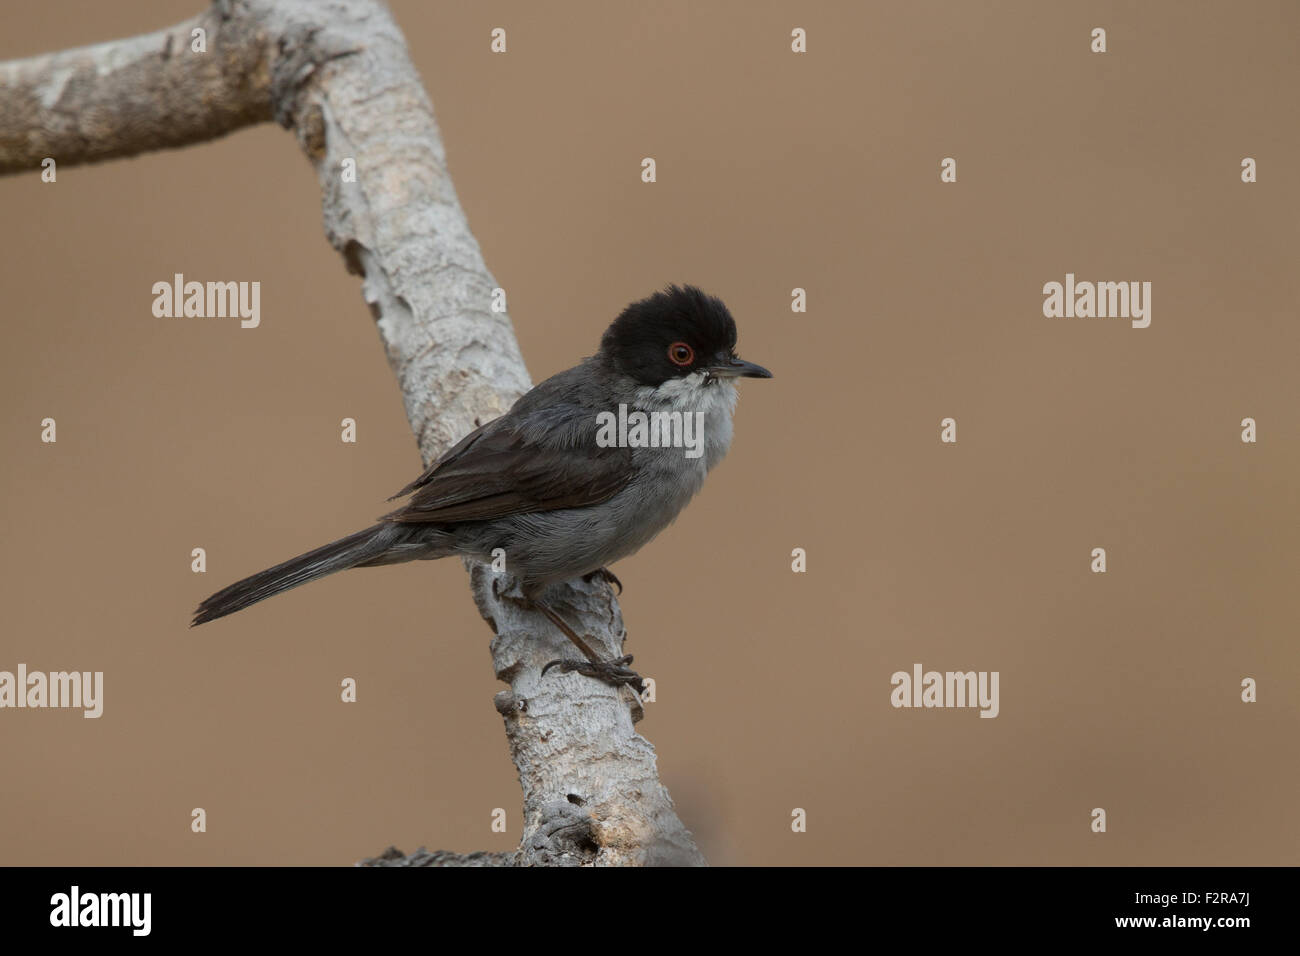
[(559, 545)]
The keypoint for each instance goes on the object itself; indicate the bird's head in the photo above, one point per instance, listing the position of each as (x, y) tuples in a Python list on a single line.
[(678, 338)]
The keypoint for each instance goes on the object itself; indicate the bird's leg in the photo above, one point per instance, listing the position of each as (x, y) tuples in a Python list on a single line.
[(614, 672), (608, 576)]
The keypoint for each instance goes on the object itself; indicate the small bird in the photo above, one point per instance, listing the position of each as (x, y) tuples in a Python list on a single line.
[(551, 481)]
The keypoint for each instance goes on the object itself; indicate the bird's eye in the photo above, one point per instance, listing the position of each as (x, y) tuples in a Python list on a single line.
[(679, 353)]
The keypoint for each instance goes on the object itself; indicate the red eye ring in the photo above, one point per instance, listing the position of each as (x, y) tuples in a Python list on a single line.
[(681, 354)]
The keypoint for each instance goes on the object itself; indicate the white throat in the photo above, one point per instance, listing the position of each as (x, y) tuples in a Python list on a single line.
[(690, 393)]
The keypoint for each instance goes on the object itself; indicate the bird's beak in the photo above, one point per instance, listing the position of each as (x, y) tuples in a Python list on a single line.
[(738, 368)]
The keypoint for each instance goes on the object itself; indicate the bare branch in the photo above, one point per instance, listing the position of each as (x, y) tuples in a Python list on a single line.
[(132, 96), (337, 73)]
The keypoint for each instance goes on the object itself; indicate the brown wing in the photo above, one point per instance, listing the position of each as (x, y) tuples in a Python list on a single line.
[(497, 471)]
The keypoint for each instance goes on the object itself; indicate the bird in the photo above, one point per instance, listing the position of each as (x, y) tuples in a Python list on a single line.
[(583, 470)]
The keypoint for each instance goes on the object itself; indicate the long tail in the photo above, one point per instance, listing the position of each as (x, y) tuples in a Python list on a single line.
[(369, 545)]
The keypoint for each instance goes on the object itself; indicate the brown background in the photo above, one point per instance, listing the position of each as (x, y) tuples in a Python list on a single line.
[(1118, 690)]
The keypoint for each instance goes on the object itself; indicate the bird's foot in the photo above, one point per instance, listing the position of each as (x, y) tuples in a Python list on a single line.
[(616, 673), (607, 575)]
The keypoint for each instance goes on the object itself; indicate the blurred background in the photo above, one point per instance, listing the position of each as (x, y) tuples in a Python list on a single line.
[(775, 171)]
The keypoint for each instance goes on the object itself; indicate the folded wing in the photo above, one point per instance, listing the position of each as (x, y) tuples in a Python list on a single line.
[(541, 462)]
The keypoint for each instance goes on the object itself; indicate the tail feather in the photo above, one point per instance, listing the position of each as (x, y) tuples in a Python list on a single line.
[(350, 552)]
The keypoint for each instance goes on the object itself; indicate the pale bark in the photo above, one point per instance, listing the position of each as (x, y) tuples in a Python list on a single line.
[(337, 73)]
